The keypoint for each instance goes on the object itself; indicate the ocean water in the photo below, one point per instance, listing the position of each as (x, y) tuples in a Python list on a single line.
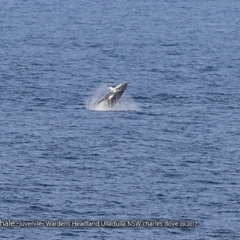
[(168, 151)]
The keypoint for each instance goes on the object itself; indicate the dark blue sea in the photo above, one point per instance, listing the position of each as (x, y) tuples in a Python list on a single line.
[(167, 154)]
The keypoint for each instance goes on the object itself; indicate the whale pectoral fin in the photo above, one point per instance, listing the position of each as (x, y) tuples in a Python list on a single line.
[(100, 101), (106, 97), (111, 88)]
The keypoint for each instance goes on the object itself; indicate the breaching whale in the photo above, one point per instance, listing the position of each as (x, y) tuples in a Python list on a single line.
[(111, 98)]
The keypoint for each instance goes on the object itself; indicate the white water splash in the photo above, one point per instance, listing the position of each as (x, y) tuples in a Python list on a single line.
[(126, 103)]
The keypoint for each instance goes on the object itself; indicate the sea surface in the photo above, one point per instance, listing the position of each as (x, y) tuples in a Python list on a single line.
[(168, 151)]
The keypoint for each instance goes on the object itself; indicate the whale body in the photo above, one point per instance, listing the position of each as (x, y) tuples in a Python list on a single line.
[(111, 98)]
